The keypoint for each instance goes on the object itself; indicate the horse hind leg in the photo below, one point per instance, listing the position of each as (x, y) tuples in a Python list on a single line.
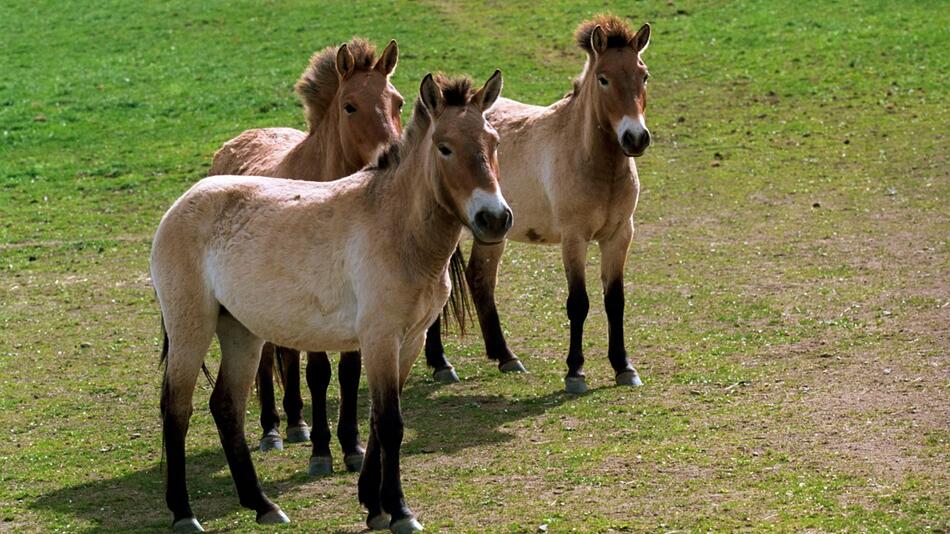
[(240, 356), (186, 343), (318, 380)]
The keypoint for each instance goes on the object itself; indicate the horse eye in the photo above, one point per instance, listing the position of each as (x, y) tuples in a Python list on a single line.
[(603, 81), (349, 109), (444, 150)]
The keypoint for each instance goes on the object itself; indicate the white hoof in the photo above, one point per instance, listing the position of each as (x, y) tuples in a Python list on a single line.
[(406, 525), (446, 376), (575, 385), (274, 517), (188, 524), (629, 378), (379, 522)]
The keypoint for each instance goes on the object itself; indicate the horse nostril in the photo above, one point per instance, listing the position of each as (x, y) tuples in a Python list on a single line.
[(482, 220), (627, 139), (508, 219)]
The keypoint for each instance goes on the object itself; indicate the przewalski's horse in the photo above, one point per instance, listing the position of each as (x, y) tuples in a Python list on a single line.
[(365, 266), (569, 175), (353, 113)]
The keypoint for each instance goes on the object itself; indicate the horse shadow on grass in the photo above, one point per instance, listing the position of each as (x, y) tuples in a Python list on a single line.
[(441, 424)]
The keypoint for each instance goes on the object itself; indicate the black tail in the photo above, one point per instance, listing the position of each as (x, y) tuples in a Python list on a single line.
[(458, 306)]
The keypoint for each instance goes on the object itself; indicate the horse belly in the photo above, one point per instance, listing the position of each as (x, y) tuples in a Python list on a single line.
[(302, 312)]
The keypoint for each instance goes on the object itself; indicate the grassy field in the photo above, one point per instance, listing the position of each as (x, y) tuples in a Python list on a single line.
[(788, 290)]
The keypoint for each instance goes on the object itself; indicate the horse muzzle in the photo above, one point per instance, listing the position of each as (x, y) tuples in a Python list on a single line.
[(635, 142)]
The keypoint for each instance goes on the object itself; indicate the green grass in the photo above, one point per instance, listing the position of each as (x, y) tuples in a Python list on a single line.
[(787, 290)]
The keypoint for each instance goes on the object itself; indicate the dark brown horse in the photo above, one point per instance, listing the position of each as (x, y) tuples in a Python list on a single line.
[(353, 112), (568, 171)]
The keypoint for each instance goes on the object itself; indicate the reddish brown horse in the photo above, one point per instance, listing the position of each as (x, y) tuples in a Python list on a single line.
[(568, 171), (353, 112)]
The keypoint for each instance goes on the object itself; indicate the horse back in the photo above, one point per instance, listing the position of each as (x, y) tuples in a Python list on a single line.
[(256, 152)]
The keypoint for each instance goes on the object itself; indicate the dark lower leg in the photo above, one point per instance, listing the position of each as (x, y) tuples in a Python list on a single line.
[(435, 351), (370, 476), (229, 418), (614, 304), (387, 421), (318, 379), (577, 307), (174, 429), (481, 275), (270, 419), (347, 429), (289, 360)]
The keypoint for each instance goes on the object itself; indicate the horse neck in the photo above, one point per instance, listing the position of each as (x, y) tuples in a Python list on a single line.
[(424, 231), (598, 149), (323, 145)]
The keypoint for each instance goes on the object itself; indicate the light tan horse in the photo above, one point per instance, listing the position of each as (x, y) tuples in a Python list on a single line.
[(353, 112), (569, 174), (366, 267)]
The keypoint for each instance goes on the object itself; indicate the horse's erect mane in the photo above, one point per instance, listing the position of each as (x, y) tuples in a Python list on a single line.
[(456, 92), (319, 82), (619, 34)]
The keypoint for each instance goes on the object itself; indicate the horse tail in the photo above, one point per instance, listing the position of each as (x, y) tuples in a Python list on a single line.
[(458, 307), (163, 403)]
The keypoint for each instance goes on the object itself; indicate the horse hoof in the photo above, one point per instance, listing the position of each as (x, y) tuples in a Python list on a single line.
[(445, 376), (575, 385), (298, 434), (353, 462), (188, 524), (272, 442), (321, 466), (629, 378), (512, 366), (406, 525), (274, 517), (378, 522)]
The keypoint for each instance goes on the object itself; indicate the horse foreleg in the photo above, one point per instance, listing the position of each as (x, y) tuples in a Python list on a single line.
[(240, 357), (318, 379), (482, 275), (574, 255), (347, 429), (382, 361), (613, 252), (270, 419)]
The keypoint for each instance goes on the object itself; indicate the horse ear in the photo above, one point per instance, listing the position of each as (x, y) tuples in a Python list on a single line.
[(598, 40), (344, 61), (386, 63), (641, 40), (489, 92), (431, 95)]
